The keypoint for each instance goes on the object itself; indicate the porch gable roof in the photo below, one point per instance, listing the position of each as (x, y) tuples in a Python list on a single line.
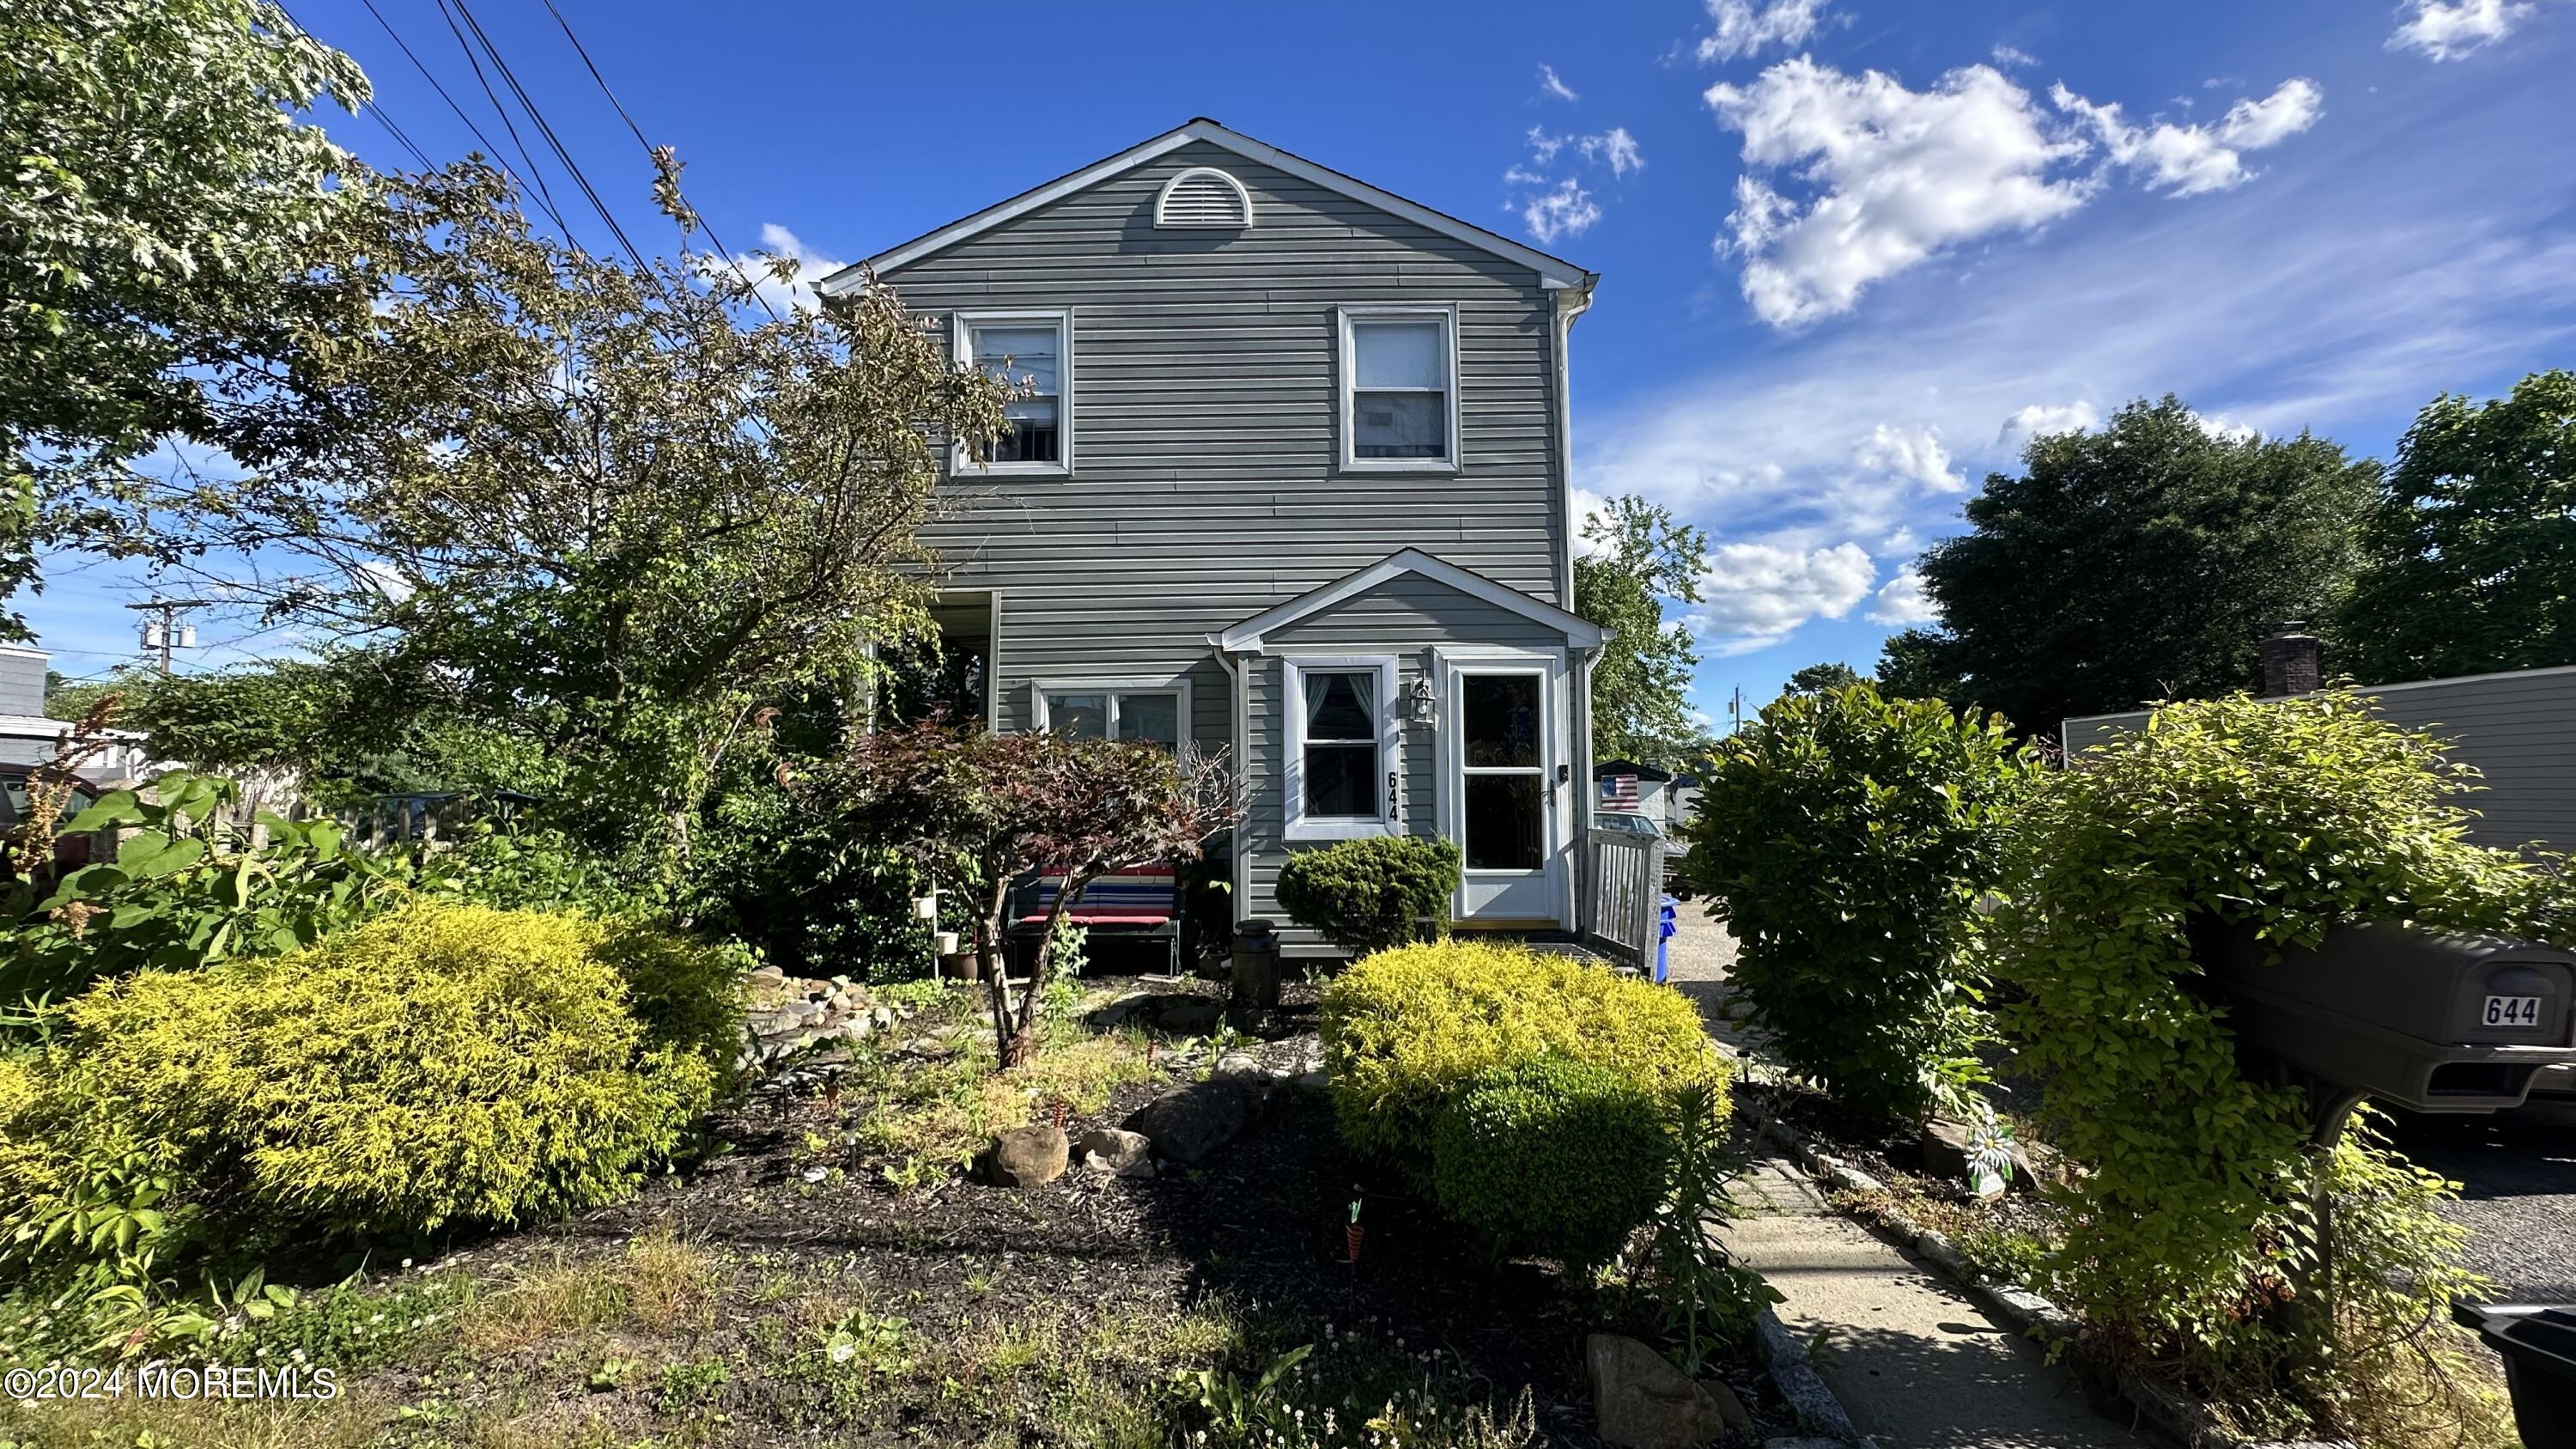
[(1247, 635)]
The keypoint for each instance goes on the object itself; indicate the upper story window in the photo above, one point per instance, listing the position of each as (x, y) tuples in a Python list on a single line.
[(1203, 196), (1031, 352), (1399, 388)]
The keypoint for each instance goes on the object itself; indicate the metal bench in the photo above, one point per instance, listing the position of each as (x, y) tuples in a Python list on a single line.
[(1142, 903)]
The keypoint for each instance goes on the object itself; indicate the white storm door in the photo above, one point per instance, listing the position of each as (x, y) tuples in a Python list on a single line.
[(1503, 802)]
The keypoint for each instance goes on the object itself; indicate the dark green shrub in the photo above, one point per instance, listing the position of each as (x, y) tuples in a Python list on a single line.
[(440, 1064), (1372, 893), (1550, 1155), (2287, 819), (1845, 839), (1405, 1030)]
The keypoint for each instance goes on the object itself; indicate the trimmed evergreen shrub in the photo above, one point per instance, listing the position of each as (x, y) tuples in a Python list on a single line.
[(1405, 1030), (441, 1064), (1550, 1155), (1373, 893)]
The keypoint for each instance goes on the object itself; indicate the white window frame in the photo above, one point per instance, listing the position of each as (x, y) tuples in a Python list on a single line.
[(1295, 824), (1039, 689), (1346, 320), (962, 341)]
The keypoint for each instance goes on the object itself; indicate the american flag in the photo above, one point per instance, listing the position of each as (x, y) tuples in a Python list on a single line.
[(1618, 792)]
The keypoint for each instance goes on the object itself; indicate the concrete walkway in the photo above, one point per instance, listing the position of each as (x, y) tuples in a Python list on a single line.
[(1915, 1364), (1914, 1361)]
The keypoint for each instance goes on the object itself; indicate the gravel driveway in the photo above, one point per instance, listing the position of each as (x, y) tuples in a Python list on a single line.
[(2516, 1170)]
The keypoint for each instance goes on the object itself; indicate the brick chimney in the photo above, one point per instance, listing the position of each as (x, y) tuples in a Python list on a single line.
[(2292, 662)]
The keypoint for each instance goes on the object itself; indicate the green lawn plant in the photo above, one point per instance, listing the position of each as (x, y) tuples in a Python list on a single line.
[(1846, 839), (1373, 893), (2189, 1238), (1552, 1156)]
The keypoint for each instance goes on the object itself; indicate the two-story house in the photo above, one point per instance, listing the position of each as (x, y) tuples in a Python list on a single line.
[(1288, 480)]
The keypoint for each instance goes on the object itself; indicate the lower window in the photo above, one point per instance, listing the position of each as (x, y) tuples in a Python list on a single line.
[(1153, 716)]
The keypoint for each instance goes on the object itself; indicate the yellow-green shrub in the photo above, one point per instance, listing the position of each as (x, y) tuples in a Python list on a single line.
[(440, 1064), (1406, 1029)]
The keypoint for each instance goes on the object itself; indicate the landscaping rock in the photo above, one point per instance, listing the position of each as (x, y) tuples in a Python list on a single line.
[(764, 978), (1111, 1150), (1188, 1015), (1026, 1157), (1188, 1124), (1729, 1407), (1640, 1400), (1242, 1067)]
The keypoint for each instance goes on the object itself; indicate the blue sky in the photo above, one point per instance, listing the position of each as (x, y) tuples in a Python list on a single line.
[(1851, 250)]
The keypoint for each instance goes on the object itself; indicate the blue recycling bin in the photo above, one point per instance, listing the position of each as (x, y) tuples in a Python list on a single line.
[(1664, 928)]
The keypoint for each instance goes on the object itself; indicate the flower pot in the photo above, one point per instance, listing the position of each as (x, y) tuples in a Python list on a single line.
[(1352, 1236), (926, 908), (944, 942)]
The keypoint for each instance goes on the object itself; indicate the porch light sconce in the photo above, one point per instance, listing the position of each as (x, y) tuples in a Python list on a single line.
[(1421, 708)]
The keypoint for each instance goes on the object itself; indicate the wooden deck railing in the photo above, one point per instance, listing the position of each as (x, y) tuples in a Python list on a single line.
[(1623, 894)]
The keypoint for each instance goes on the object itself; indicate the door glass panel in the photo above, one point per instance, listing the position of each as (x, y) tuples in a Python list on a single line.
[(1503, 822), (1341, 780), (1081, 716), (1501, 718), (1154, 717)]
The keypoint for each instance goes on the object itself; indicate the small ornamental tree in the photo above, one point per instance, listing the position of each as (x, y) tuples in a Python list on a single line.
[(2190, 1237), (979, 810), (1846, 838)]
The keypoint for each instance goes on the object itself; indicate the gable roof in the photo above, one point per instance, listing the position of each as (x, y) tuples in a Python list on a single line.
[(1247, 635), (1608, 768), (1554, 272)]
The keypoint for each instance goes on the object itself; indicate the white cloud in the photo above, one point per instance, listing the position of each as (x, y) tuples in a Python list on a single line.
[(1747, 26), (1587, 505), (1911, 453), (1553, 206), (798, 291), (2189, 160), (2451, 29), (1550, 85), (1900, 175), (2225, 428), (1901, 601), (1756, 594), (2012, 55), (1614, 147), (1567, 211), (1902, 541), (2042, 418)]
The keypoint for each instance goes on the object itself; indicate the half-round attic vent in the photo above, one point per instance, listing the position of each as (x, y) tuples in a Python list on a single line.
[(1203, 196)]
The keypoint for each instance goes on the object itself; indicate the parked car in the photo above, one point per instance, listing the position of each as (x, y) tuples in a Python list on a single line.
[(1633, 824)]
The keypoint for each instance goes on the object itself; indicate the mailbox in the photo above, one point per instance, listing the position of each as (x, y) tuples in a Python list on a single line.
[(2427, 1022)]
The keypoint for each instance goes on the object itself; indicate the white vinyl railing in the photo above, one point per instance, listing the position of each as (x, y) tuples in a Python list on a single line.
[(1623, 895)]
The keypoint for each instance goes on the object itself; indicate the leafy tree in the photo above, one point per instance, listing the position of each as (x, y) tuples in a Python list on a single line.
[(165, 213), (1641, 682), (977, 811), (599, 510), (2469, 555), (1823, 678), (1846, 840), (1914, 664), (2144, 561)]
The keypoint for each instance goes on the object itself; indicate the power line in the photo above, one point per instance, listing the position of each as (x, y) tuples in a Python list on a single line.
[(536, 178), (499, 157), (555, 143), (374, 109), (641, 140)]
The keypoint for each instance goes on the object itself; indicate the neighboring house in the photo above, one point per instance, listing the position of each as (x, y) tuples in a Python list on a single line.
[(2518, 728), (28, 737), (1290, 482), (1632, 787)]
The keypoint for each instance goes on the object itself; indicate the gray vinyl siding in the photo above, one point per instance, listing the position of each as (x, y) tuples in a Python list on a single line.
[(1205, 415), (1406, 617), (22, 682), (2518, 729)]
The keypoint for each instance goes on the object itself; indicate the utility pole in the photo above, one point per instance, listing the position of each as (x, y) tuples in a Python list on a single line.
[(166, 633)]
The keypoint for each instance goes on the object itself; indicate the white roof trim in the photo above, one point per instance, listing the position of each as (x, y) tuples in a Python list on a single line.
[(1554, 272), (1246, 636)]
